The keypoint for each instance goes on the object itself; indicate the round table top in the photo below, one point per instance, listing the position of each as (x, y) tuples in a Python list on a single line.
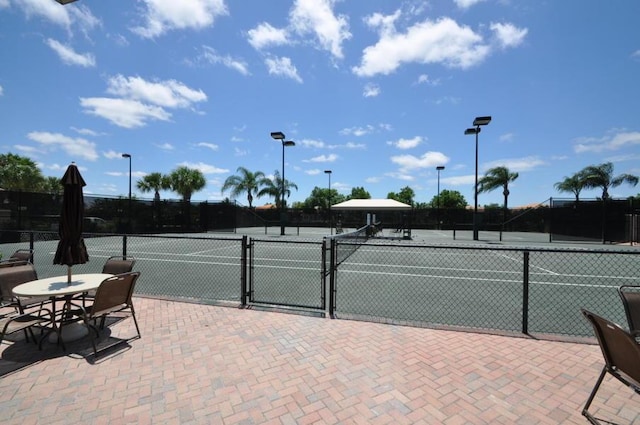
[(59, 285)]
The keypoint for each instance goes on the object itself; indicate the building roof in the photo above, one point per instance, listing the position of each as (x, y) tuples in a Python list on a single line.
[(371, 205)]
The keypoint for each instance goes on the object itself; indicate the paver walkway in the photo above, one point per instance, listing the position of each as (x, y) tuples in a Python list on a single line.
[(199, 364)]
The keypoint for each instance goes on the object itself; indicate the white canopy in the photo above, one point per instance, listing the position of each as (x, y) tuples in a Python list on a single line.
[(371, 205)]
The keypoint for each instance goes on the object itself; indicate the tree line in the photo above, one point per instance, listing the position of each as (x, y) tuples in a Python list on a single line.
[(20, 173)]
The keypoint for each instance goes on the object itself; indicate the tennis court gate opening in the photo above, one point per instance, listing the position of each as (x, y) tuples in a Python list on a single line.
[(291, 274)]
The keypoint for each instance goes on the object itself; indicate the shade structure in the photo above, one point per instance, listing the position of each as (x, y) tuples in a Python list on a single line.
[(371, 205), (71, 248)]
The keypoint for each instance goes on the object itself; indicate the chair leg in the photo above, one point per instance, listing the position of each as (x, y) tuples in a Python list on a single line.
[(133, 314), (585, 410)]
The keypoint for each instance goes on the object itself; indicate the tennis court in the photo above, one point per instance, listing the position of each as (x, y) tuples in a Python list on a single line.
[(431, 280)]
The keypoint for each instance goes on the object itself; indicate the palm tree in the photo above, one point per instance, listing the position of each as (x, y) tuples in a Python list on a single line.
[(184, 181), (246, 181), (154, 182), (601, 176), (573, 184), (273, 187), (497, 177)]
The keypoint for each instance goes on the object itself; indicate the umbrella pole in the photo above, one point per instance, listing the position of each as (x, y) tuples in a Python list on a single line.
[(68, 274)]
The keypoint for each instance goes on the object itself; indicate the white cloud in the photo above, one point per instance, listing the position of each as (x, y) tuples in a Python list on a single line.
[(85, 131), (74, 147), (516, 164), (406, 143), (165, 146), (607, 143), (1, 91), (508, 34), (317, 17), (507, 137), (169, 93), (211, 146), (205, 168), (282, 67), (209, 55), (465, 4), (425, 79), (636, 55), (29, 149), (111, 154), (371, 90), (161, 16), (401, 176), (265, 35), (358, 131), (4, 3), (427, 160), (69, 56), (123, 112), (48, 10), (442, 41), (323, 158), (468, 180), (351, 145), (309, 143), (65, 17)]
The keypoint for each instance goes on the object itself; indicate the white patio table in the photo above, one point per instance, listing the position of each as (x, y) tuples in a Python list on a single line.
[(58, 288)]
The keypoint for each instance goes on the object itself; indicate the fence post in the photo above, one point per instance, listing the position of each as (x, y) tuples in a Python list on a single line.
[(31, 244), (124, 245), (243, 271), (525, 293), (332, 278)]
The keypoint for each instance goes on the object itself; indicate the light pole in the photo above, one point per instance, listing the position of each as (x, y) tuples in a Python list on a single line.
[(126, 155), (439, 168), (477, 122), (329, 196), (278, 135)]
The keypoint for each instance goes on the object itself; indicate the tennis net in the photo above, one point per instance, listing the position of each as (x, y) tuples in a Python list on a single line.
[(348, 243)]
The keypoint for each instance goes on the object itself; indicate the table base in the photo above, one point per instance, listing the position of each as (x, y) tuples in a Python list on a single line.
[(70, 332)]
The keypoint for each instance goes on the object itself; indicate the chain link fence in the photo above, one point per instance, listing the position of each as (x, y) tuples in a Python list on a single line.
[(202, 268), (495, 288), (504, 289)]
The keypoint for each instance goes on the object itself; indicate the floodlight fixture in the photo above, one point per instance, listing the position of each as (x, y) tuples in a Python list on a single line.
[(481, 121), (277, 135)]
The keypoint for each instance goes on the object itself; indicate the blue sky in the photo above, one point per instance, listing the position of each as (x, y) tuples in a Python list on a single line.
[(380, 92)]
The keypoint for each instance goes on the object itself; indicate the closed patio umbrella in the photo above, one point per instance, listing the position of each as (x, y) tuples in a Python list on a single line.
[(71, 248)]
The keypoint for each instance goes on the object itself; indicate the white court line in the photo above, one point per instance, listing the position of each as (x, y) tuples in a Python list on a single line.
[(475, 278), (455, 269), (519, 282)]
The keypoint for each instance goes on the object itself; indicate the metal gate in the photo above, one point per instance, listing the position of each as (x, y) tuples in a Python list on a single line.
[(286, 273)]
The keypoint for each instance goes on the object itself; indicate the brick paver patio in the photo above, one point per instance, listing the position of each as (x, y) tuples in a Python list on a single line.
[(199, 364)]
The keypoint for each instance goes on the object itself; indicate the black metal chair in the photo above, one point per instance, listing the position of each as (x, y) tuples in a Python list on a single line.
[(20, 313), (621, 355), (118, 264), (12, 321), (22, 255), (630, 296), (113, 295)]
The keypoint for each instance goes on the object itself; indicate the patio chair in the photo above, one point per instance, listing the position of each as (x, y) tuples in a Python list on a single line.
[(630, 296), (13, 321), (621, 356), (22, 255), (113, 295), (116, 264), (17, 273)]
